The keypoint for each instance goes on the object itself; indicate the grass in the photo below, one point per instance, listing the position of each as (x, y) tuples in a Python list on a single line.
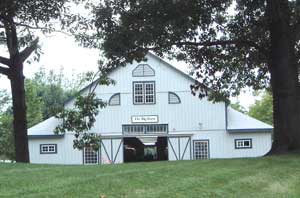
[(276, 176)]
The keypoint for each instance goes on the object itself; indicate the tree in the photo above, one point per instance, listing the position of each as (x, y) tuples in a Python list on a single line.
[(34, 104), (18, 21), (237, 106), (256, 45), (55, 89), (6, 138), (43, 85), (262, 109)]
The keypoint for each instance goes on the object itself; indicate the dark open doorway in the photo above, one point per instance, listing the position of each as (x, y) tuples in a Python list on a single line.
[(142, 149)]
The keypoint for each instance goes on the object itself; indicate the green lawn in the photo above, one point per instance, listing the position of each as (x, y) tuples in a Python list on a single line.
[(261, 177)]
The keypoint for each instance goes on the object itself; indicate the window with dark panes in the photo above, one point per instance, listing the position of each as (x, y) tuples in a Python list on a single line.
[(143, 92)]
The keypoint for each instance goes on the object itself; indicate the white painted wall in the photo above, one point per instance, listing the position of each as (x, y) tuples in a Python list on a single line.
[(222, 144), (66, 154), (180, 117)]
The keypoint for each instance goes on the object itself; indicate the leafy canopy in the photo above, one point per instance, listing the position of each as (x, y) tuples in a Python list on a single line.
[(227, 43), (263, 109)]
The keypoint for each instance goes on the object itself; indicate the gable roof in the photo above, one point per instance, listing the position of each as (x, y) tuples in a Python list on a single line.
[(44, 128), (239, 122)]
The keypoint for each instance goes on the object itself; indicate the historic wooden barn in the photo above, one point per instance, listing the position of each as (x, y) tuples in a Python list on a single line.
[(152, 115)]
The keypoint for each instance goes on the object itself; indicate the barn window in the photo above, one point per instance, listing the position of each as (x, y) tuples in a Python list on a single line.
[(115, 99), (173, 98), (143, 70), (243, 143), (48, 148), (145, 129), (201, 149), (143, 93), (90, 156)]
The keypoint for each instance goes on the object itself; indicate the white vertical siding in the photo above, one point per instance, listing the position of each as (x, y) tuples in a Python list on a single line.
[(185, 116), (66, 154), (222, 144)]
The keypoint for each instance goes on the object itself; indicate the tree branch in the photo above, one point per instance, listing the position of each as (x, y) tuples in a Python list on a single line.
[(5, 61), (28, 50), (41, 28), (11, 37), (223, 43), (4, 71)]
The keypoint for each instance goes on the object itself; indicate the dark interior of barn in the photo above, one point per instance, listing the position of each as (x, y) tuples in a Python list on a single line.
[(145, 149)]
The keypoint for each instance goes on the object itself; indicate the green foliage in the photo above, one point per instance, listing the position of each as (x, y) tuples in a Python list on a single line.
[(55, 88), (81, 118), (263, 109), (20, 23), (34, 116), (6, 136), (29, 18), (227, 51), (237, 106), (34, 104), (45, 93), (5, 101), (7, 149)]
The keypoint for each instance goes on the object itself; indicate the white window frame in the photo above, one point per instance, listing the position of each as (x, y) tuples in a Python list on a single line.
[(240, 143), (89, 159), (201, 154), (145, 94), (48, 148)]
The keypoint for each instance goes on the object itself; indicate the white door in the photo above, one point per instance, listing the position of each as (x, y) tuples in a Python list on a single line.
[(201, 149), (111, 151), (179, 148)]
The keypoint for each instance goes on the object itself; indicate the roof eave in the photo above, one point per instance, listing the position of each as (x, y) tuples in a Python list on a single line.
[(254, 130), (45, 136)]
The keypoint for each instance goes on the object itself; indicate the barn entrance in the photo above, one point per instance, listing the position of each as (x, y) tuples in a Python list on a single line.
[(145, 148)]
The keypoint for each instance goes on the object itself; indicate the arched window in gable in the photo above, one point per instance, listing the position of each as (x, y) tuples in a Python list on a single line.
[(143, 70), (174, 98), (115, 100)]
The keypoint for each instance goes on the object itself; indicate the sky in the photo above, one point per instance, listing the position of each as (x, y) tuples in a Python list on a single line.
[(61, 51)]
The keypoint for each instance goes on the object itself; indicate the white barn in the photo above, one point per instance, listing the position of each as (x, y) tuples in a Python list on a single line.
[(152, 115)]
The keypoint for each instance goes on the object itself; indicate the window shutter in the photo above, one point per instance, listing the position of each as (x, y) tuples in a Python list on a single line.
[(115, 99), (173, 98), (143, 70), (148, 71)]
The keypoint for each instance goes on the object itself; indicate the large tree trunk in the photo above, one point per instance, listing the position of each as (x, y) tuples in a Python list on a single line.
[(284, 81), (19, 112)]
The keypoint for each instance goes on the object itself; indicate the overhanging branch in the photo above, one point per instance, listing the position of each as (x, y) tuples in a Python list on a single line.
[(4, 61), (28, 50), (223, 43), (4, 71)]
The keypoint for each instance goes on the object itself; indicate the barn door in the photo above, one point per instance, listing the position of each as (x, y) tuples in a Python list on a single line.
[(179, 148), (111, 151)]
